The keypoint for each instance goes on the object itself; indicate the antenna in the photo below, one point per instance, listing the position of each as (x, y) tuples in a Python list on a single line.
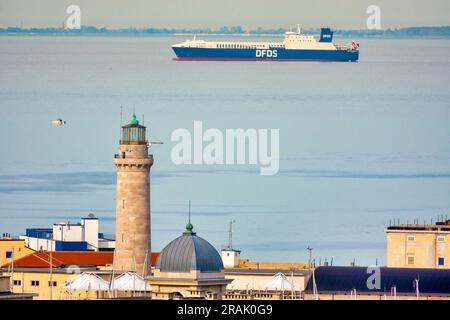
[(143, 120), (310, 255), (189, 219), (230, 235), (298, 28), (121, 116)]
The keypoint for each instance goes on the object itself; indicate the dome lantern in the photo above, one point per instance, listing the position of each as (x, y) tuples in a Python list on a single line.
[(133, 133)]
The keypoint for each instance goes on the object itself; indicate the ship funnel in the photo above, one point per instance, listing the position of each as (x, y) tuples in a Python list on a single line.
[(326, 35)]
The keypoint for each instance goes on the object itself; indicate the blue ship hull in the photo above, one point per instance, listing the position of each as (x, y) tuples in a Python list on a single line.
[(271, 54)]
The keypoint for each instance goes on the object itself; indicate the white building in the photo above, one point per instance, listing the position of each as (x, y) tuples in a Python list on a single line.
[(231, 257), (66, 236)]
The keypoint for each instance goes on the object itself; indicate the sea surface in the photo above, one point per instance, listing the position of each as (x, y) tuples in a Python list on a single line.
[(361, 144)]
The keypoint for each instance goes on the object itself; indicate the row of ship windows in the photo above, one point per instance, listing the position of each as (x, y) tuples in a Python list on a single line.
[(244, 46), (239, 46)]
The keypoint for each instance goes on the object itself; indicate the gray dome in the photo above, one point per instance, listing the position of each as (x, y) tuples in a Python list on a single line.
[(189, 252)]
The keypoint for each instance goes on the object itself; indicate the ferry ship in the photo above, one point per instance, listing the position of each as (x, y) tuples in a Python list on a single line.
[(295, 47)]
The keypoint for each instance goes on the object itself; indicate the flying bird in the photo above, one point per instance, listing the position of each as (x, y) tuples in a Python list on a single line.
[(58, 122)]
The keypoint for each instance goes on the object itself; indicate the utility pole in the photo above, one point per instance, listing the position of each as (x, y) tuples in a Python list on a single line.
[(12, 270), (51, 276)]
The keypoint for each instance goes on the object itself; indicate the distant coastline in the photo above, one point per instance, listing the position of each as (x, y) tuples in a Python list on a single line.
[(411, 32)]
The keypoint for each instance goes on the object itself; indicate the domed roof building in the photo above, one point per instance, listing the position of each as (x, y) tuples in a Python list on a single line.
[(189, 267), (189, 252)]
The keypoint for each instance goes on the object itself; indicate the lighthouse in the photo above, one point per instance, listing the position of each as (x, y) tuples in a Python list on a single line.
[(133, 163)]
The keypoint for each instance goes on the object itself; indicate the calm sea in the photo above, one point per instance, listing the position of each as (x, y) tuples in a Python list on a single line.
[(360, 143)]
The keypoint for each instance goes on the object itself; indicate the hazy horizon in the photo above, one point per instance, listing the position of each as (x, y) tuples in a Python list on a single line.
[(250, 14)]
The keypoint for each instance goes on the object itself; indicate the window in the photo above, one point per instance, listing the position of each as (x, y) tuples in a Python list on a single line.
[(228, 254), (410, 260), (441, 261), (8, 254), (411, 238), (52, 283), (17, 282), (441, 239), (34, 283)]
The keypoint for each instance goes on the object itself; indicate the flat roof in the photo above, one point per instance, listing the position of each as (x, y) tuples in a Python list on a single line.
[(255, 265), (9, 295), (63, 270), (345, 279), (266, 271), (418, 227)]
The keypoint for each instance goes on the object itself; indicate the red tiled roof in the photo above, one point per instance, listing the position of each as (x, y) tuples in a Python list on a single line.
[(153, 258), (59, 259)]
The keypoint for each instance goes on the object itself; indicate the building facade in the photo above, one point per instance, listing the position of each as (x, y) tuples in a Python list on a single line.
[(45, 274), (189, 267), (133, 164), (7, 294), (246, 280), (11, 249), (46, 284), (231, 257), (419, 246)]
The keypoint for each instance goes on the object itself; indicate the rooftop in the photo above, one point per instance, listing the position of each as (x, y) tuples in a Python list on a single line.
[(134, 123), (438, 226), (16, 296), (265, 271), (346, 279), (60, 259), (247, 264)]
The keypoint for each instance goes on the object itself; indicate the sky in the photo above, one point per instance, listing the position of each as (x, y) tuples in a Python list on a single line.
[(340, 14)]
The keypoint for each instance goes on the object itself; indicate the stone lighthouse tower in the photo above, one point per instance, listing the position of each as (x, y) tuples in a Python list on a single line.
[(133, 163)]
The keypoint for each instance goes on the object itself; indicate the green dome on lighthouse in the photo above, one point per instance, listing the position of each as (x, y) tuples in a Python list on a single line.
[(133, 133), (134, 120)]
